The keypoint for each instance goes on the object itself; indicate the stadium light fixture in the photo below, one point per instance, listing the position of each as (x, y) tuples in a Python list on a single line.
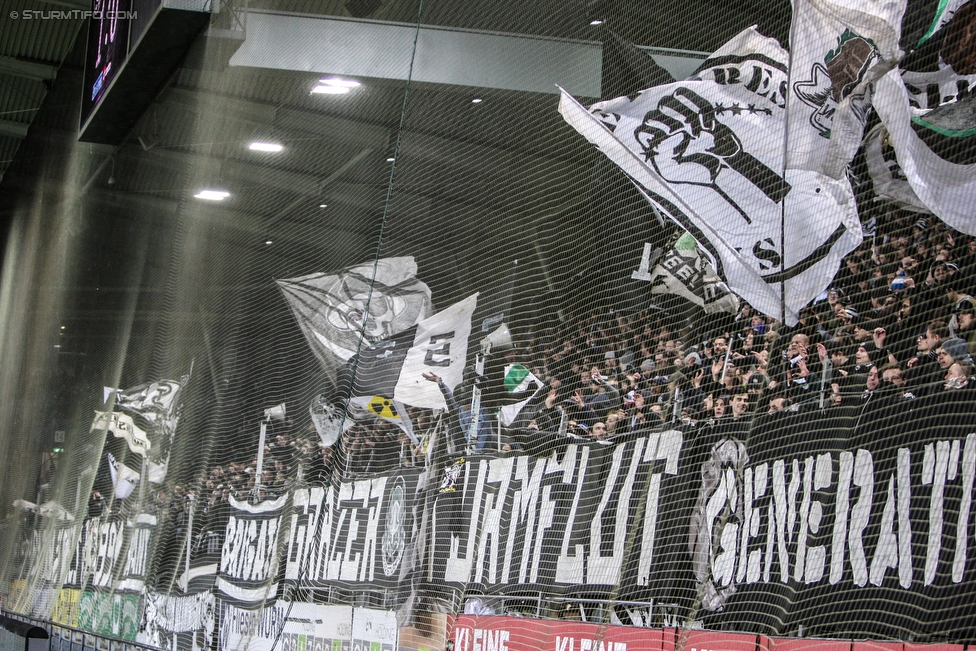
[(269, 147), (340, 83), (330, 90), (212, 195), (335, 86)]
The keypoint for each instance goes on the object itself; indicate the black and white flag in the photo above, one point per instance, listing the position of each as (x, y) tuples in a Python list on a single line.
[(362, 305), (154, 401), (682, 271), (887, 177), (154, 406), (124, 479), (931, 117), (179, 622), (709, 153), (122, 426), (839, 47), (394, 367)]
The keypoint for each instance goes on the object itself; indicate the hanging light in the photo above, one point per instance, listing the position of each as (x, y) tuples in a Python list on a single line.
[(335, 86), (212, 195), (269, 147)]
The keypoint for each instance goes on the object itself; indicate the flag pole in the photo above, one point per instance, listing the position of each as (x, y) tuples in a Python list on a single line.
[(259, 465), (786, 140), (189, 540)]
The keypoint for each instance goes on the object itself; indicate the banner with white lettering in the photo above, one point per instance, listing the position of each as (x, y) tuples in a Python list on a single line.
[(855, 507), (105, 580), (587, 518), (178, 622), (757, 527), (248, 570), (755, 523), (50, 562), (311, 627), (353, 533)]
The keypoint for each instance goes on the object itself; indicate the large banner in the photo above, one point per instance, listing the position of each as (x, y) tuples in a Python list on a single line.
[(351, 534), (307, 627), (584, 519), (104, 582), (248, 570), (735, 526), (756, 524)]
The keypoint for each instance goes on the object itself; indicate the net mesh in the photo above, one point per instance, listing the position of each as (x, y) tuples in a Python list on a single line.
[(455, 360)]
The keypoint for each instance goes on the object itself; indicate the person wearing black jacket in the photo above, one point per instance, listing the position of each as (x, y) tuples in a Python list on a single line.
[(455, 433), (923, 369)]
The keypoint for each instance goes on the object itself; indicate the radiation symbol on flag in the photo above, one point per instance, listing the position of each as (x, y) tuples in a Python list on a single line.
[(382, 407)]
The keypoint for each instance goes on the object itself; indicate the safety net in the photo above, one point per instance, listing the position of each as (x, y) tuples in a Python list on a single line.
[(501, 326)]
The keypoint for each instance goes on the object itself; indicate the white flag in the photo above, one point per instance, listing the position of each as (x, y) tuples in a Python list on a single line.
[(839, 47), (708, 152), (439, 346), (682, 271), (939, 162), (392, 411), (122, 426), (887, 177), (928, 110), (340, 313), (124, 478)]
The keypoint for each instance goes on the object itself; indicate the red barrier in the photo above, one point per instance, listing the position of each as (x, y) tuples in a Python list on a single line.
[(496, 633), (514, 634), (871, 645), (690, 640), (802, 644)]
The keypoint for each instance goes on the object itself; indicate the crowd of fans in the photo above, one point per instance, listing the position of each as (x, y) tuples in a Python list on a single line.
[(896, 324), (896, 329)]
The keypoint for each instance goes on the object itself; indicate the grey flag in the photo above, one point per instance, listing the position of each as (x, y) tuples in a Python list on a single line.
[(367, 303)]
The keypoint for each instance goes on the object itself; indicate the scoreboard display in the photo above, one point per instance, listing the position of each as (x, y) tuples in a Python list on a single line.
[(133, 47), (108, 46)]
